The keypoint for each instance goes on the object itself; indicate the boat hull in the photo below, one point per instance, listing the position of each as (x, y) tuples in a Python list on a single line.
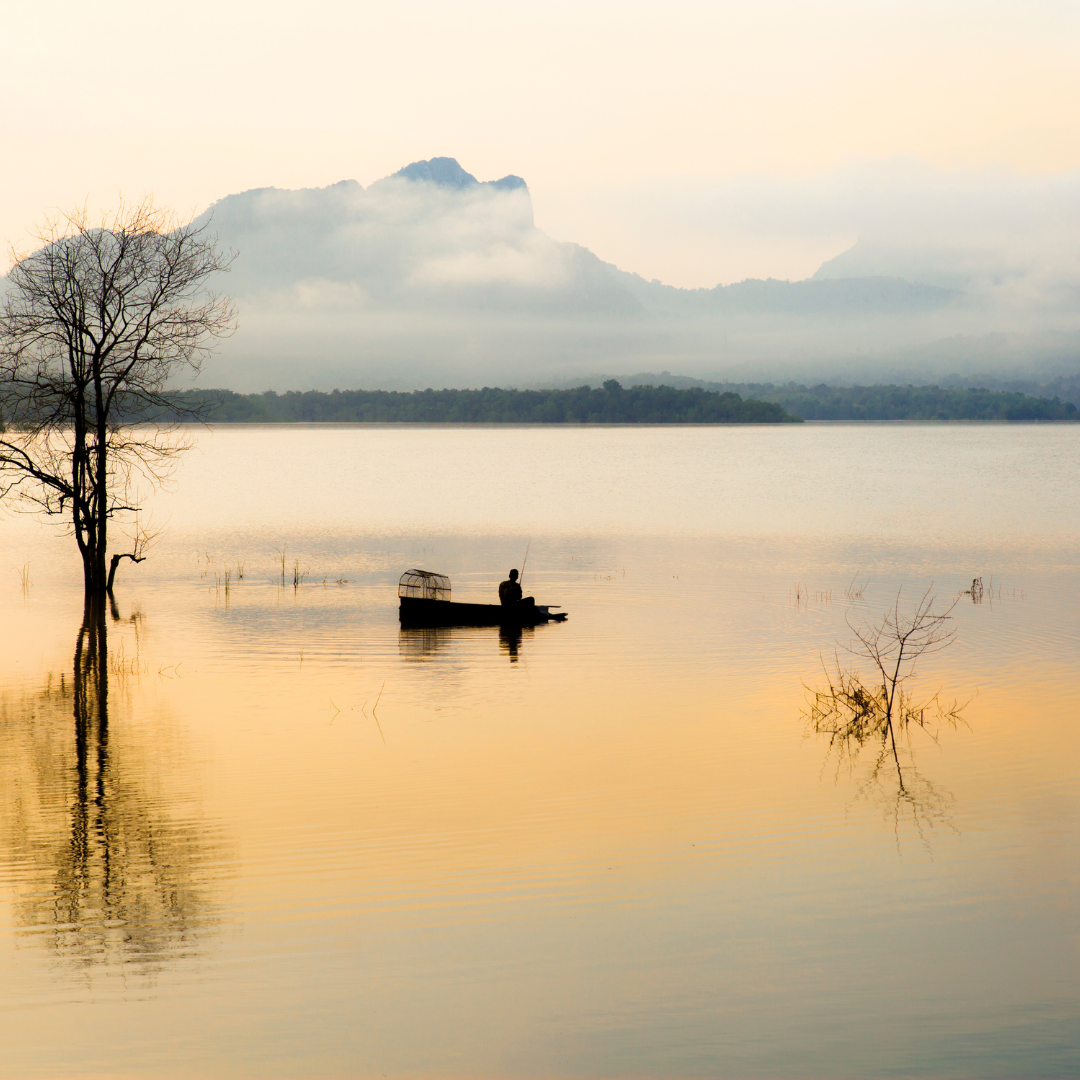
[(417, 612)]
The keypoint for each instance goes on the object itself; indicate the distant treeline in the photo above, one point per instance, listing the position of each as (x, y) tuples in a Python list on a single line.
[(1066, 387), (704, 403), (1003, 404), (715, 403), (911, 403), (609, 404)]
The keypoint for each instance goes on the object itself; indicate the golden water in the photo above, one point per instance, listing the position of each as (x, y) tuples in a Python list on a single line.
[(308, 843)]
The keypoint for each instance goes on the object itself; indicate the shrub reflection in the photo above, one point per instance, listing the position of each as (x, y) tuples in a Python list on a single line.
[(882, 715)]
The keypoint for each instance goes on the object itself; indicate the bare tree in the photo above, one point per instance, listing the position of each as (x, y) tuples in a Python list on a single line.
[(883, 712), (95, 323)]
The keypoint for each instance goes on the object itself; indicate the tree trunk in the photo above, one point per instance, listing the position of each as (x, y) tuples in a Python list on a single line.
[(95, 576), (101, 488)]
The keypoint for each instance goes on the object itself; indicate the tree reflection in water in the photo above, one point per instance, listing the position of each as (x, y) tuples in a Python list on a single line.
[(110, 870), (883, 717)]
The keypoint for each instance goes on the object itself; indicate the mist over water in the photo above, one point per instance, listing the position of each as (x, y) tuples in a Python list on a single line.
[(432, 278), (265, 829)]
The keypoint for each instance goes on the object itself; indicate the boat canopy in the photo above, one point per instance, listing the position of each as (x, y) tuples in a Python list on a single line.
[(424, 585)]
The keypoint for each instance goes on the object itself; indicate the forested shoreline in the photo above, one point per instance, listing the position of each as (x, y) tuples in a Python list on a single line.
[(910, 403), (609, 404), (731, 403)]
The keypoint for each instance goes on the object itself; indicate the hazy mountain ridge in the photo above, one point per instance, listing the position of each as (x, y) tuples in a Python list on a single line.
[(491, 256), (812, 296), (433, 277)]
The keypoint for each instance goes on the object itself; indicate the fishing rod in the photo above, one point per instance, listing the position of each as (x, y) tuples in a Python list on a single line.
[(521, 576)]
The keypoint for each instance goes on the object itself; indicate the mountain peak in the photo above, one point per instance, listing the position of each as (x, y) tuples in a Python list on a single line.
[(446, 172)]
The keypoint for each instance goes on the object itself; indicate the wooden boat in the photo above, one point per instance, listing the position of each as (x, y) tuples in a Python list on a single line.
[(416, 611), (424, 600)]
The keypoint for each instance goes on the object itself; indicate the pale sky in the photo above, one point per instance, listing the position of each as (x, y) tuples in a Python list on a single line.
[(590, 101)]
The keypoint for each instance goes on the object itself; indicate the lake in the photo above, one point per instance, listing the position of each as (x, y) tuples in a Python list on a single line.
[(299, 841)]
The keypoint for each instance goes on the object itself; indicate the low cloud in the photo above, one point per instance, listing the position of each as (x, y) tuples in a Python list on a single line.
[(430, 277)]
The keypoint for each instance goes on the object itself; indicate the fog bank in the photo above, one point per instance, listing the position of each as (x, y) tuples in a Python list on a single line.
[(431, 277)]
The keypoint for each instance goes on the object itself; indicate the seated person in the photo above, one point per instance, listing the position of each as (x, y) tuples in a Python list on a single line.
[(510, 592)]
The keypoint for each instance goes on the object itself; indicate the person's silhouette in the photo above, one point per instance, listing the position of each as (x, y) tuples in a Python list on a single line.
[(510, 592)]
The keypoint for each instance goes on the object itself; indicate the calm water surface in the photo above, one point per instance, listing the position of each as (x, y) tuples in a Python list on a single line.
[(302, 842)]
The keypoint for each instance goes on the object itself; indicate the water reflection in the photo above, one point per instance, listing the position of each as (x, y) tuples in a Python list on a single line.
[(510, 639), (110, 869), (884, 715), (879, 751), (420, 643)]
